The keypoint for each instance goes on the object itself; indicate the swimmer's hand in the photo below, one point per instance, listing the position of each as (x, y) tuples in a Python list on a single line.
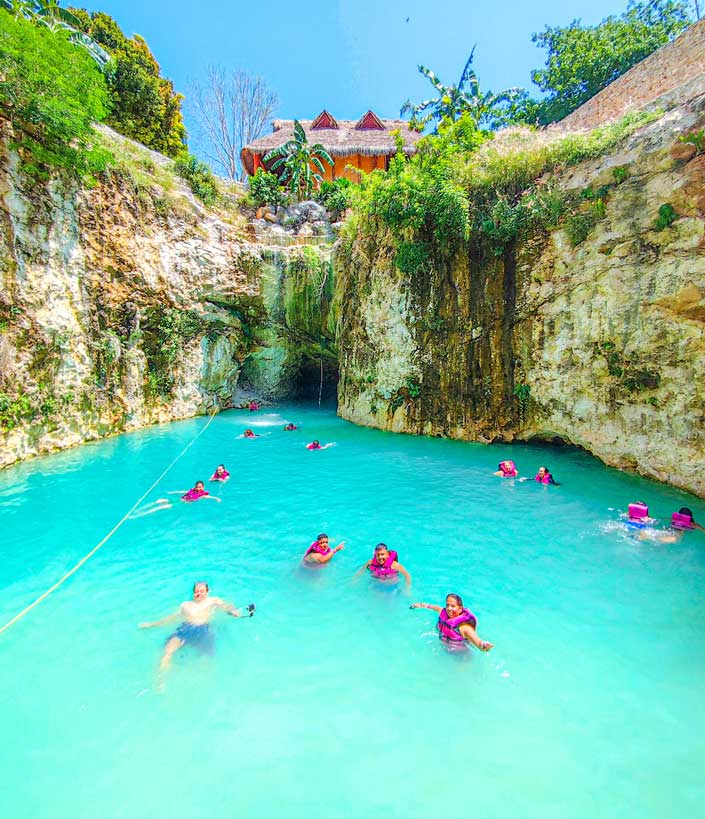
[(485, 646), (340, 546)]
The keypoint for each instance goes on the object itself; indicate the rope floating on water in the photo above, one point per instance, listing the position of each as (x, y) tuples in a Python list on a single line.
[(90, 554)]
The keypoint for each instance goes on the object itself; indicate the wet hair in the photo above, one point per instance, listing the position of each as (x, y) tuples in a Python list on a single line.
[(201, 583), (201, 482), (458, 599), (546, 468), (381, 546), (685, 511), (316, 441), (220, 466), (322, 535)]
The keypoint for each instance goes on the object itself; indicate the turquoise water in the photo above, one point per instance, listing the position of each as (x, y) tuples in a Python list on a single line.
[(335, 699)]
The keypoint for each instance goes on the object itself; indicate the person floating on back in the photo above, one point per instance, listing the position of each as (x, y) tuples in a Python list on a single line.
[(195, 629), (506, 469), (220, 474), (456, 624), (385, 566), (320, 552), (544, 476)]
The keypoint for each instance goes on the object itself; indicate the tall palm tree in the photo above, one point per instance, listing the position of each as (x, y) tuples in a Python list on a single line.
[(492, 110), (301, 164)]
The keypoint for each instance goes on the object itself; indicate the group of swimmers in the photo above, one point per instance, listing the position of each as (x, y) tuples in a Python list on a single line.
[(638, 517), (507, 469)]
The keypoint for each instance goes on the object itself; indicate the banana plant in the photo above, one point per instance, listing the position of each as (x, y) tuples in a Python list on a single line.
[(452, 101), (300, 163)]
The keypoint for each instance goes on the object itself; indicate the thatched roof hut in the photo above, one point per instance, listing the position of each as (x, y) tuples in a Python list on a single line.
[(366, 143)]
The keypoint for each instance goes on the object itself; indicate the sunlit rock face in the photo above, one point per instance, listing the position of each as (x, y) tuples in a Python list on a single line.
[(128, 304), (600, 344)]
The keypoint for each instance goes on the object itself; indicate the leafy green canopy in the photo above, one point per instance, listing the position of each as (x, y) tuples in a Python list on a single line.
[(583, 60), (145, 106), (53, 91)]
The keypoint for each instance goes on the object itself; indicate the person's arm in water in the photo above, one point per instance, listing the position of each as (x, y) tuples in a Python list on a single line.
[(471, 636), (697, 526), (168, 619), (399, 568), (210, 497), (315, 557), (228, 608), (363, 568), (426, 606)]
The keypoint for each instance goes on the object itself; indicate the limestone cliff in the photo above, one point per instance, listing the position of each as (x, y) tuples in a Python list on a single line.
[(130, 303), (599, 342)]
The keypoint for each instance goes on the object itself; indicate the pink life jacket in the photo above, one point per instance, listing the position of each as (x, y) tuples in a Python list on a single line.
[(313, 446), (316, 547), (224, 475), (511, 473), (679, 521), (194, 494), (448, 626), (385, 570), (637, 511), (543, 478)]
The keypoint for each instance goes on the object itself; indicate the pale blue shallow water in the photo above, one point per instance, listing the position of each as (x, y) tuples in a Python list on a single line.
[(335, 700)]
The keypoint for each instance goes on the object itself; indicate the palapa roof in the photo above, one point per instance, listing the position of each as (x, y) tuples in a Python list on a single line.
[(369, 136)]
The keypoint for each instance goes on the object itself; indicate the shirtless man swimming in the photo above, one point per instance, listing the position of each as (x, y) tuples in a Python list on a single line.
[(195, 628)]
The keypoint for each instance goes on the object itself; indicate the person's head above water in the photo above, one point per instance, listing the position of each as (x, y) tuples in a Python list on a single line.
[(200, 590), (381, 553), (219, 469), (685, 511), (322, 537), (454, 604), (543, 470), (199, 485)]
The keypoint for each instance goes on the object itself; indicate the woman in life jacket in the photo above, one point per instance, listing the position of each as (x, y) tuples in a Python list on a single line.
[(456, 624), (506, 469), (544, 476), (320, 552), (220, 474)]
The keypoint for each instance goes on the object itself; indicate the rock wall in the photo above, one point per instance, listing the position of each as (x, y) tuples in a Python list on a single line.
[(670, 76), (601, 345), (130, 303)]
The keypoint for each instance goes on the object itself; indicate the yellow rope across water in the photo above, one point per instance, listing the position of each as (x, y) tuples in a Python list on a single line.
[(90, 554)]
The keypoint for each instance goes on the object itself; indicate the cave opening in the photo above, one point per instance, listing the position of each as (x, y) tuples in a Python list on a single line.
[(313, 380)]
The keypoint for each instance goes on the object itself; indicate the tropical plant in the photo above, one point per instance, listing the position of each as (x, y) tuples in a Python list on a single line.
[(199, 177), (50, 14), (488, 109), (266, 190), (300, 163)]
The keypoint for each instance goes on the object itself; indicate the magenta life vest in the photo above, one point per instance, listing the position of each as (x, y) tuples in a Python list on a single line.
[(448, 626), (194, 494), (316, 547), (384, 570), (679, 521), (637, 511), (224, 475), (508, 473), (313, 446), (543, 478)]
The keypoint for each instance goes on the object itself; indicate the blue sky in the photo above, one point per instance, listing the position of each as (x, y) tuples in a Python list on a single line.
[(349, 56)]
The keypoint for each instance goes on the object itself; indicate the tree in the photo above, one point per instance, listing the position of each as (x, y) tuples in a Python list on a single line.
[(231, 109), (145, 106), (297, 160), (52, 91), (492, 110), (583, 60)]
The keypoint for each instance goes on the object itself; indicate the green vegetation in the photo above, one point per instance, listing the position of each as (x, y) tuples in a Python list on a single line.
[(464, 99), (52, 91), (696, 138), (335, 196), (301, 163), (626, 373), (666, 217), (199, 177), (266, 190), (522, 393), (144, 105), (583, 60)]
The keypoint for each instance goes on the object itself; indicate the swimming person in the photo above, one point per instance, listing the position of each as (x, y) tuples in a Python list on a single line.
[(248, 433), (506, 469), (220, 474), (195, 629), (385, 566), (683, 520), (290, 427), (544, 476), (638, 515), (456, 624), (197, 493), (253, 406), (320, 552), (314, 445)]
